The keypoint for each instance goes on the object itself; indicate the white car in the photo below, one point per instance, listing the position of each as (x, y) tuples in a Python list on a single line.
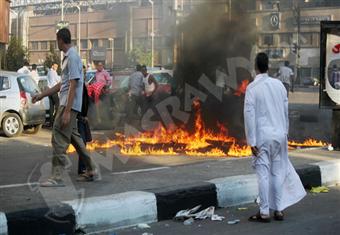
[(17, 112)]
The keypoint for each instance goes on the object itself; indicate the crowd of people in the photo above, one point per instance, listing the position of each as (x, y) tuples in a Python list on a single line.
[(265, 115)]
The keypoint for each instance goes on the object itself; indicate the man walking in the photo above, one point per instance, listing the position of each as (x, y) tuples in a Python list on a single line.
[(286, 76), (24, 69), (34, 74), (52, 80), (136, 88), (266, 127), (65, 131)]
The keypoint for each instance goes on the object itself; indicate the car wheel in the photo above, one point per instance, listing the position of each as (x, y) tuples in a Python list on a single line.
[(12, 125), (34, 129)]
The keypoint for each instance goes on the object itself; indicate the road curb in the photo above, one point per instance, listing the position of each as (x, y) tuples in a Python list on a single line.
[(130, 208)]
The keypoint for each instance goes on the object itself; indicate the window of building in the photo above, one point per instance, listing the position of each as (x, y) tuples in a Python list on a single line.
[(268, 39), (43, 45), (94, 43), (84, 44), (105, 43), (74, 42), (306, 39), (119, 43), (286, 39), (34, 45), (53, 44)]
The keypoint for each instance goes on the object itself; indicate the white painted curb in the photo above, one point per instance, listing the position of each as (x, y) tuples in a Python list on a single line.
[(330, 171), (117, 210), (3, 224), (236, 190)]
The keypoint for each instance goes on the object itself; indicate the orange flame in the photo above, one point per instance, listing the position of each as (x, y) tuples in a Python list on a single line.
[(242, 88), (202, 142), (307, 143)]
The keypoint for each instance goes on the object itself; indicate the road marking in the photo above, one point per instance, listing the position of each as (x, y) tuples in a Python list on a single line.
[(140, 170), (18, 185), (3, 224)]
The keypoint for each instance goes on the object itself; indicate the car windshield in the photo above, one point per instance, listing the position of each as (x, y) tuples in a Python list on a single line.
[(41, 71), (90, 75), (27, 84), (162, 77)]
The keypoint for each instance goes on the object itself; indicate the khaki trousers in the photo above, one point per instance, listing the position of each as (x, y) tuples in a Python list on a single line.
[(62, 138)]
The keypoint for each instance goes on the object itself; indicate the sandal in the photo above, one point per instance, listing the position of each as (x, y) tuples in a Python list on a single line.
[(258, 218), (278, 215), (85, 178), (52, 183)]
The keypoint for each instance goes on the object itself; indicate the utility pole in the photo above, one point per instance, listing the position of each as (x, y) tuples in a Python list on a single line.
[(152, 33), (79, 13)]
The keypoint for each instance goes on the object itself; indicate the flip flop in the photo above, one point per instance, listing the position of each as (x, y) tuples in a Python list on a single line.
[(85, 178), (278, 215), (52, 183), (259, 218)]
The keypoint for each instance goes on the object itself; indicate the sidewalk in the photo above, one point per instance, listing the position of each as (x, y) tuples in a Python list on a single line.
[(154, 191)]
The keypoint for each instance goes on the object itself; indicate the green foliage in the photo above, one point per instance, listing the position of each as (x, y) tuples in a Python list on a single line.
[(16, 54), (52, 57), (139, 55)]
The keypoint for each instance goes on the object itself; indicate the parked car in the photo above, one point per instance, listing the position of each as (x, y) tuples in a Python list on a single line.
[(164, 79), (17, 112), (42, 84)]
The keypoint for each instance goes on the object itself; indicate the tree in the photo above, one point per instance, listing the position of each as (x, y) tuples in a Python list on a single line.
[(139, 55), (16, 54), (52, 57)]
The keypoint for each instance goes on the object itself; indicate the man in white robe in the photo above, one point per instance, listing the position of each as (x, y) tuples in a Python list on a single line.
[(266, 127)]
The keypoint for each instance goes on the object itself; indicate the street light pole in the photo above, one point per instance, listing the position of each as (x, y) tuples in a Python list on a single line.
[(17, 23), (62, 10), (112, 51), (153, 33), (79, 12), (229, 13)]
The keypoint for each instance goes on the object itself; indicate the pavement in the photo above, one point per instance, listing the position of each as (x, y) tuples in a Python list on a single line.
[(316, 214), (133, 190)]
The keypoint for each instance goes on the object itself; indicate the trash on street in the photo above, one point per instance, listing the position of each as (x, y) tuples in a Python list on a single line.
[(242, 208), (321, 189), (184, 214), (236, 221), (143, 226), (207, 213), (189, 221), (217, 217)]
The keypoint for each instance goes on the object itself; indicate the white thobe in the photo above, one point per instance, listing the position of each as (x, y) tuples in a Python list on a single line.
[(266, 126), (24, 70)]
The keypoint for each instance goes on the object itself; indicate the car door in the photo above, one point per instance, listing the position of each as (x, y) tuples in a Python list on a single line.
[(27, 85), (8, 95)]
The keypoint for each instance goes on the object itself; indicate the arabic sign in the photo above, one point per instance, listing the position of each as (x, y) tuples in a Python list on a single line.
[(98, 54), (330, 65)]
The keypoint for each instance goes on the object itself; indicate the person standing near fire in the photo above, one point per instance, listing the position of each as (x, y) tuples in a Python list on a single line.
[(65, 131), (52, 80), (150, 87), (266, 127), (136, 89), (286, 75)]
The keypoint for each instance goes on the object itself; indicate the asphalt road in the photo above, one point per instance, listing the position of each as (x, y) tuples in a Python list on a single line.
[(317, 214)]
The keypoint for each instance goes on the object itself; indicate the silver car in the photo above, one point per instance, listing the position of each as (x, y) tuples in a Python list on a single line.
[(17, 112)]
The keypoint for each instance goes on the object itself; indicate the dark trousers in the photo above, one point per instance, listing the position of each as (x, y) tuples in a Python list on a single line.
[(82, 132), (135, 103), (54, 104), (287, 88)]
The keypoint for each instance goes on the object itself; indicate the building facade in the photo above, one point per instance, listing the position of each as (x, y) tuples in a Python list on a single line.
[(4, 29), (290, 31), (111, 29)]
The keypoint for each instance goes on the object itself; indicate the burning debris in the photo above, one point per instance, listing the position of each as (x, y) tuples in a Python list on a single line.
[(202, 142), (162, 141)]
